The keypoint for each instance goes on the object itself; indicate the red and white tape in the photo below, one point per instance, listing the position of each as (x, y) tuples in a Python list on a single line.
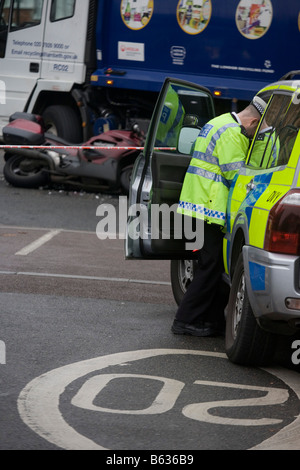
[(81, 147)]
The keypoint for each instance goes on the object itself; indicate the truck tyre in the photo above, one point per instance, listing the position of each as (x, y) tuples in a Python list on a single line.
[(63, 121), (182, 273), (246, 343), (25, 173)]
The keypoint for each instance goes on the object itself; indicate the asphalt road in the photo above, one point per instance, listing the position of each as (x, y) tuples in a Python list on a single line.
[(87, 358)]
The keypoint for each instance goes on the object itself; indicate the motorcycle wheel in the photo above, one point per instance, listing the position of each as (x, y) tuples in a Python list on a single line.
[(25, 172), (125, 178)]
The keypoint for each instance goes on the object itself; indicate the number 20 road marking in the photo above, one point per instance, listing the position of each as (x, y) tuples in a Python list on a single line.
[(39, 401), (167, 397)]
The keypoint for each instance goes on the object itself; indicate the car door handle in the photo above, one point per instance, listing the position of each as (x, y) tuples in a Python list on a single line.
[(250, 186)]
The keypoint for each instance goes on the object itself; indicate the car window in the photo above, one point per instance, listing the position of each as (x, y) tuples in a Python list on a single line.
[(26, 13), (183, 108), (4, 20), (277, 133), (4, 13), (62, 9)]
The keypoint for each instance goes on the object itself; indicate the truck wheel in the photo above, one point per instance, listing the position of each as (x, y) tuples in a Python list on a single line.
[(25, 173), (63, 121), (246, 343), (182, 273)]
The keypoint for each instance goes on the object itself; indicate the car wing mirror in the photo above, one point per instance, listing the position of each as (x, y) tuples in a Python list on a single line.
[(187, 138)]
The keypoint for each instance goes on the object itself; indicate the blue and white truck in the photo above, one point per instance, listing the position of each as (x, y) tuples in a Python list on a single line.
[(89, 66)]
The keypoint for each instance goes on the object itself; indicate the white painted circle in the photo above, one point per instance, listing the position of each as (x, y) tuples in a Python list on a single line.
[(38, 403)]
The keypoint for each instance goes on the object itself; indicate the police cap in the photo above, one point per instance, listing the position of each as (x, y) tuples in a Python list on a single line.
[(259, 104)]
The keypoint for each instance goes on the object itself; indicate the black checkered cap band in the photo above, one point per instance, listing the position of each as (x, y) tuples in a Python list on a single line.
[(259, 104)]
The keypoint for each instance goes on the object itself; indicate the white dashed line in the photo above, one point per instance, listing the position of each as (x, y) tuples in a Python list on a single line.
[(38, 243), (85, 278)]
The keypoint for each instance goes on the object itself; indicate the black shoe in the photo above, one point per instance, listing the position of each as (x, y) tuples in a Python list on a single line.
[(205, 329)]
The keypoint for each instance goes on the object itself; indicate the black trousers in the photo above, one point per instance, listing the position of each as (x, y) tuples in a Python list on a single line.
[(207, 295)]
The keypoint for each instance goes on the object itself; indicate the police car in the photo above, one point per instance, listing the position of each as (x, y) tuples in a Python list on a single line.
[(262, 240)]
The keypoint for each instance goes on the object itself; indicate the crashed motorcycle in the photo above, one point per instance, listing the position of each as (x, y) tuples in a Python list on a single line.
[(38, 158)]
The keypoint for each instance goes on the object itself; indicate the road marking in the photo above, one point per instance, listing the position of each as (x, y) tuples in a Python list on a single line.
[(111, 235), (86, 278), (200, 411), (288, 437), (38, 243), (39, 401), (46, 229), (164, 401), (167, 397), (115, 236)]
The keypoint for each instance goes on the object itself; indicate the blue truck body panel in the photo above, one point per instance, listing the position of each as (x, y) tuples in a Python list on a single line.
[(234, 47)]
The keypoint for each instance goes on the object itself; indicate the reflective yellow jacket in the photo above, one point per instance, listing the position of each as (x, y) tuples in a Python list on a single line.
[(220, 151)]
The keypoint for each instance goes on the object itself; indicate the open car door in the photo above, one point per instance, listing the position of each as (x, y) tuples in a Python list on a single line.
[(154, 229)]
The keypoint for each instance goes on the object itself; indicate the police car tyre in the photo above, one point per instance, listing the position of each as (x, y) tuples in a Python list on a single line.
[(25, 173), (182, 272), (64, 122), (245, 343)]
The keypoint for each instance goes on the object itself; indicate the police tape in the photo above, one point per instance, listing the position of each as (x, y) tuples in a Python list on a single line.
[(75, 147)]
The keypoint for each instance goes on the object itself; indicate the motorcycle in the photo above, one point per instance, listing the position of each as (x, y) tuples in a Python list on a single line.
[(38, 158)]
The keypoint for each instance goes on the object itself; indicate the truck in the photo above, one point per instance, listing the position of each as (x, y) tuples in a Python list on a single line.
[(90, 66)]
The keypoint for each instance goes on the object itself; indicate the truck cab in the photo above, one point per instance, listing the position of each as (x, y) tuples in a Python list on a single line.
[(41, 59)]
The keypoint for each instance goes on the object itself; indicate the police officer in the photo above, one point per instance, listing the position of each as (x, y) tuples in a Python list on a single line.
[(220, 151)]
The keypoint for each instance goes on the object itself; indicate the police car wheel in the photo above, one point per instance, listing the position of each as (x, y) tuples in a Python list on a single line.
[(182, 273), (246, 342)]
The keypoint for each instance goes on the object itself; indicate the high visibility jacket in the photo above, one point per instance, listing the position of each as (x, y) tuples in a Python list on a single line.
[(220, 151)]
